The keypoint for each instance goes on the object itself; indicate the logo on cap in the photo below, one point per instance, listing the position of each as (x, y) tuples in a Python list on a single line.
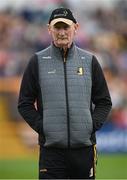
[(62, 14)]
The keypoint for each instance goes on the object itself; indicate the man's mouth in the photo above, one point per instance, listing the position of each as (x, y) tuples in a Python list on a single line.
[(61, 38)]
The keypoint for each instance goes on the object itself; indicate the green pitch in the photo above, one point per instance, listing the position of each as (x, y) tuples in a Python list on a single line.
[(112, 166), (108, 167)]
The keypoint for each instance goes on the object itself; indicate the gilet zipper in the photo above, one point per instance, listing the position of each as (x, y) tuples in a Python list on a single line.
[(67, 103)]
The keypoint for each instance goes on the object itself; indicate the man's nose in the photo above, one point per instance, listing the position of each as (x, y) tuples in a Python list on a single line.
[(61, 31)]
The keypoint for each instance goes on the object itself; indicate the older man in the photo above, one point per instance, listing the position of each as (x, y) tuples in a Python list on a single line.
[(72, 98)]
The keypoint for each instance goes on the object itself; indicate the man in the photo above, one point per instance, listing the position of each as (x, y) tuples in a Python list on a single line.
[(72, 98)]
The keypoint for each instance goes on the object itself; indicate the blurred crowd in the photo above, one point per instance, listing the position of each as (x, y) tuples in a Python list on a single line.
[(102, 31)]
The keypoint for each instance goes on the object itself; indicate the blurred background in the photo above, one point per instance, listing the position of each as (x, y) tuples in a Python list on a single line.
[(23, 31)]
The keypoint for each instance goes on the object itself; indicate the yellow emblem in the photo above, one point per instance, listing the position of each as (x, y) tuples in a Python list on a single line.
[(80, 71)]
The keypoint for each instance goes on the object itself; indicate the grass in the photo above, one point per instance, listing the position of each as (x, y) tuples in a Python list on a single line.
[(109, 167), (19, 169), (112, 166)]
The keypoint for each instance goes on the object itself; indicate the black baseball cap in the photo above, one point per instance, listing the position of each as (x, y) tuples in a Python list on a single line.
[(62, 15)]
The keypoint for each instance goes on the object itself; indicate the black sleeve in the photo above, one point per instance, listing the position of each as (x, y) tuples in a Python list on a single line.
[(28, 96), (100, 96)]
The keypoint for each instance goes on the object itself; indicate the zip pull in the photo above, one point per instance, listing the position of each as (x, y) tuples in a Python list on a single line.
[(65, 55), (64, 60)]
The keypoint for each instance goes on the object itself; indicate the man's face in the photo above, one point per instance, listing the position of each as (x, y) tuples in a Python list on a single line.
[(63, 34)]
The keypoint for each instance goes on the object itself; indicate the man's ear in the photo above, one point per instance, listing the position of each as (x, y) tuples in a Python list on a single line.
[(49, 28), (76, 27)]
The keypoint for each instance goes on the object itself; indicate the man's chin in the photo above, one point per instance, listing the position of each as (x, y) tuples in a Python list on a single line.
[(63, 44)]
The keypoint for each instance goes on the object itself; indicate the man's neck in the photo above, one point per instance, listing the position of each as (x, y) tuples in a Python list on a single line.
[(65, 48)]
